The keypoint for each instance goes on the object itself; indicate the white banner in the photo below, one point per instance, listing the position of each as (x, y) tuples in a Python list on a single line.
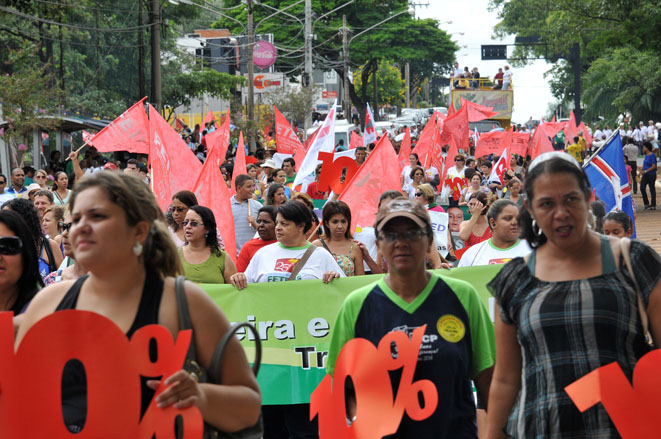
[(324, 142), (439, 224)]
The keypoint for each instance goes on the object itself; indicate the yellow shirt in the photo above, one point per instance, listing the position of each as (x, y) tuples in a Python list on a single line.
[(576, 151)]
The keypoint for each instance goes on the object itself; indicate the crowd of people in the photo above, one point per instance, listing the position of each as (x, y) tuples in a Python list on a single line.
[(465, 79), (99, 218)]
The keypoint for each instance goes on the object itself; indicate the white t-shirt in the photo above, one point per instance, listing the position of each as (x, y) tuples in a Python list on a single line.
[(431, 173), (274, 263), (485, 253), (5, 197), (368, 237), (406, 173)]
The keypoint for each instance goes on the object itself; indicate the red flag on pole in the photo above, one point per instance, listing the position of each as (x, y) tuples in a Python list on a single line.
[(456, 126), (540, 143), (451, 110), (218, 142), (211, 191), (477, 112), (174, 166), (208, 118), (404, 150), (356, 140), (129, 132), (239, 162), (378, 174), (571, 130), (499, 169), (286, 139), (449, 159), (488, 143), (520, 143)]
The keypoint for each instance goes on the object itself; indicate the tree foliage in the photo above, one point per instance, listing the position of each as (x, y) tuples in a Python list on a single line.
[(390, 85), (619, 42)]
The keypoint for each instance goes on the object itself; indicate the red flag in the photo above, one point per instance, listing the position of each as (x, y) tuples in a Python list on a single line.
[(211, 191), (129, 132), (356, 140), (451, 110), (552, 128), (267, 129), (239, 162), (477, 112), (404, 150), (174, 166), (429, 144), (586, 133), (179, 124), (571, 129), (286, 139), (378, 174), (87, 136), (553, 119), (457, 127), (520, 143), (489, 143), (499, 169), (208, 118), (218, 142), (539, 143)]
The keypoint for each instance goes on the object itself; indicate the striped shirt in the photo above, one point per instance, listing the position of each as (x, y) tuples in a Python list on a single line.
[(566, 330)]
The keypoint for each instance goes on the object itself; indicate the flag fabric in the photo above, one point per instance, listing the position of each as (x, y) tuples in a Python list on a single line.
[(211, 191), (498, 173), (404, 150), (370, 129), (540, 143), (209, 118), (449, 158), (299, 155), (174, 166), (571, 129), (378, 174), (239, 163), (429, 144), (607, 173), (218, 142), (519, 143), (324, 142), (586, 134), (285, 137), (179, 124), (356, 140), (488, 143), (457, 127), (451, 110), (87, 136), (129, 132), (477, 112)]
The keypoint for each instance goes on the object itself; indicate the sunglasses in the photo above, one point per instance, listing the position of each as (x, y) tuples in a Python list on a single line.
[(419, 194), (409, 236), (191, 223), (10, 245), (458, 160), (179, 209), (3, 182), (63, 227)]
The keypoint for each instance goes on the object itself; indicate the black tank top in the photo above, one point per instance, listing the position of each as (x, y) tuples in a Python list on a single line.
[(74, 385)]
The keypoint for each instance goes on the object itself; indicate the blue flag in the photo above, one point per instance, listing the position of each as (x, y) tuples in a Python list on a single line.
[(608, 177)]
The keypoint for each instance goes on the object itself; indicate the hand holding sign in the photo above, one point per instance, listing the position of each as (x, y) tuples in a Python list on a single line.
[(31, 388), (378, 411)]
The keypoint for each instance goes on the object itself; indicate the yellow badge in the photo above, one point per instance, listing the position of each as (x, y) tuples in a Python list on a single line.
[(358, 229), (451, 328)]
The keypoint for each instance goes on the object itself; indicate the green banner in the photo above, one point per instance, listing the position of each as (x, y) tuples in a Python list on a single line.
[(294, 320)]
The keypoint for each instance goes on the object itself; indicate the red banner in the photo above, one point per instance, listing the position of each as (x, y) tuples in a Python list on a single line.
[(488, 143), (457, 127), (174, 166), (129, 132), (218, 142), (208, 118), (378, 174), (356, 140), (212, 192), (239, 162), (571, 130), (286, 139), (477, 112), (520, 143), (540, 142)]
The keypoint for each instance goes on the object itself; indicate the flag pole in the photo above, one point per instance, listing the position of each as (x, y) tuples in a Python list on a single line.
[(587, 162)]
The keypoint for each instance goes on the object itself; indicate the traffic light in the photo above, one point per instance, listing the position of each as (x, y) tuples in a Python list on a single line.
[(494, 51)]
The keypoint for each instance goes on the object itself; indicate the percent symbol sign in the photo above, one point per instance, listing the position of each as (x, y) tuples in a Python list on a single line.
[(406, 359)]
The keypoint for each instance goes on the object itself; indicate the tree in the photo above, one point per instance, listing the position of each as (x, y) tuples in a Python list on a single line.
[(609, 34), (390, 85), (294, 103)]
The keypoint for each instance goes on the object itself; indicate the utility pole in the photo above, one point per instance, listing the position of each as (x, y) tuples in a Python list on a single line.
[(156, 54), (308, 59), (375, 89), (575, 54), (251, 78), (345, 56), (408, 84), (142, 89)]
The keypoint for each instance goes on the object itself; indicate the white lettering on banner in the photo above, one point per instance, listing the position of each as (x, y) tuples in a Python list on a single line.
[(318, 327), (439, 225)]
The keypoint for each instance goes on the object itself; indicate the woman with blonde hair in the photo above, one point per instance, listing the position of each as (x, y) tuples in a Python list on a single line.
[(119, 234)]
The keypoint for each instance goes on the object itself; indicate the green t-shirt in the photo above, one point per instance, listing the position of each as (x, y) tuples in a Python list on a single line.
[(208, 272)]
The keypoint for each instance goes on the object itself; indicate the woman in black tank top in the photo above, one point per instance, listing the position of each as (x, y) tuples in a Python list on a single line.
[(119, 234)]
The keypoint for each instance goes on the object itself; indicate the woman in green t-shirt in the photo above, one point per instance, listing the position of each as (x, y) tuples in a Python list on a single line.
[(202, 259)]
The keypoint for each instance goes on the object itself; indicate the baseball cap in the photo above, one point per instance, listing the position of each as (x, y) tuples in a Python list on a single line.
[(269, 164), (402, 208)]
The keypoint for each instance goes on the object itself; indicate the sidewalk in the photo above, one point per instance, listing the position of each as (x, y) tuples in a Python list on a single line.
[(648, 222)]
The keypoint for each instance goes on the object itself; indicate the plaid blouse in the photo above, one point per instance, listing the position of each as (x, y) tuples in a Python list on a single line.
[(566, 330)]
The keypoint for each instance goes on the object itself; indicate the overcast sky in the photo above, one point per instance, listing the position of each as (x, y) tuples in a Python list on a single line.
[(531, 91)]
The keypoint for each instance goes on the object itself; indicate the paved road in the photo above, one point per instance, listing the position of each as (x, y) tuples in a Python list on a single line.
[(648, 223)]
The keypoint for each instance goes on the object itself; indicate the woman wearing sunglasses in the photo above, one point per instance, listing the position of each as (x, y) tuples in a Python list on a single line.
[(119, 234), (19, 267), (181, 202), (41, 178), (203, 260)]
